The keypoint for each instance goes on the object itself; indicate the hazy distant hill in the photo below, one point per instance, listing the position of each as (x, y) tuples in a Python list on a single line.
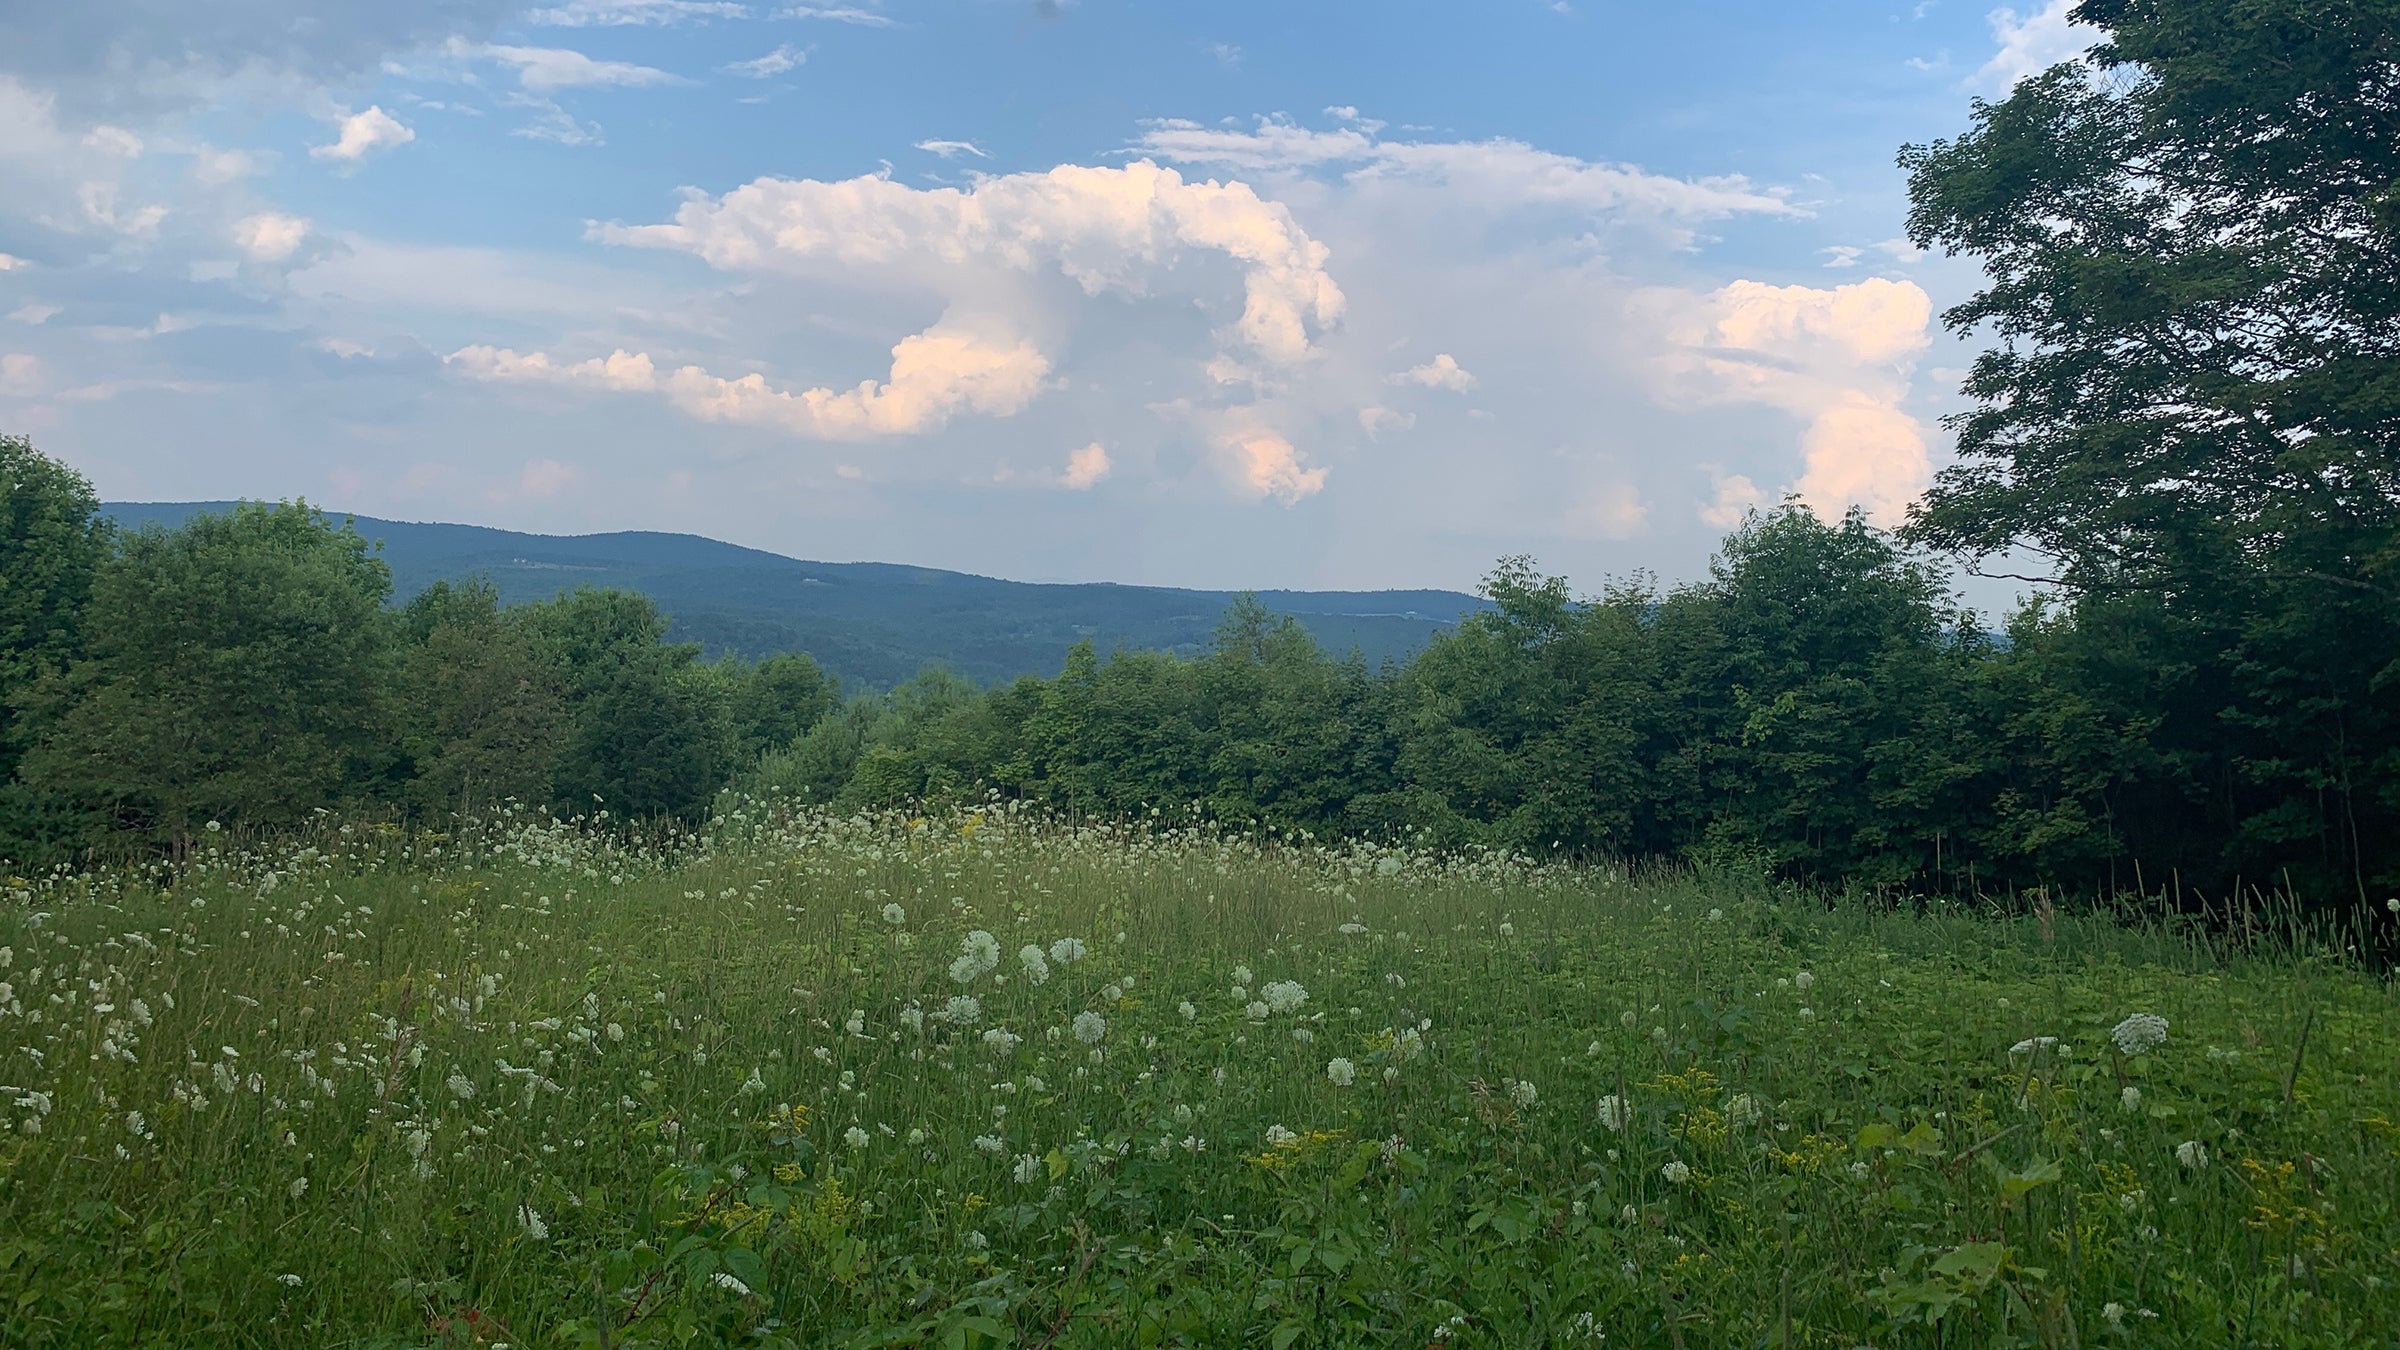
[(873, 624)]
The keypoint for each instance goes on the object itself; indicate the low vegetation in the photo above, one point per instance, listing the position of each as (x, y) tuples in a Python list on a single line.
[(979, 1080)]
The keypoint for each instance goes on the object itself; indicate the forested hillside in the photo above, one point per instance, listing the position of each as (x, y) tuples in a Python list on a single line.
[(870, 625)]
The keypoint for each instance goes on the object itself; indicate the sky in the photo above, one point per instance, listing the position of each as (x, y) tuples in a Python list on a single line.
[(1287, 294)]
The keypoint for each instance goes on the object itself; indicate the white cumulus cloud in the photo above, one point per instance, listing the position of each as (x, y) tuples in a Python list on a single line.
[(1109, 229), (1442, 372), (270, 236), (363, 133), (956, 365), (1085, 467), (2031, 44), (1841, 359)]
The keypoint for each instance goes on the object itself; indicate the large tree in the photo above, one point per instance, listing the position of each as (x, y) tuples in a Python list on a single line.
[(52, 538), (2191, 411), (235, 670)]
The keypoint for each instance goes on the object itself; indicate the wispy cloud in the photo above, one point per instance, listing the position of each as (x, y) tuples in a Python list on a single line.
[(865, 18), (625, 13), (780, 61), (952, 149), (542, 70)]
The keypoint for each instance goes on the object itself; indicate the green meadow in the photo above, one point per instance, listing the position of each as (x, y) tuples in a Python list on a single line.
[(985, 1079)]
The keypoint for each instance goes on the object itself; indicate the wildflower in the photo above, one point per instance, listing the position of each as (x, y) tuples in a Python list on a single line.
[(1742, 1110), (1522, 1093), (298, 1188), (2192, 1154), (1067, 951), (531, 1222), (1186, 1010), (729, 1284), (978, 953), (1804, 981), (856, 1023), (753, 1085), (894, 915), (288, 1279), (2031, 1044), (2130, 1098), (614, 1032), (1614, 1112), (991, 1143), (1027, 1170), (1241, 993), (1242, 975), (2114, 1314), (461, 1086), (1001, 1042), (1352, 928), (913, 1017), (1090, 1027), (1284, 996), (1257, 1011), (1304, 1036), (1277, 1136), (2140, 1034), (1341, 1071), (134, 1124), (1716, 916), (1037, 967), (855, 1137), (962, 1010), (1508, 930), (1112, 993), (1677, 1172)]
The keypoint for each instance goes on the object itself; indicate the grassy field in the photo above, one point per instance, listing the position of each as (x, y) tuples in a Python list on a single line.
[(982, 1081)]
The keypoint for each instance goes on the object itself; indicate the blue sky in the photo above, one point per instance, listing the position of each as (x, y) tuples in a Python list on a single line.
[(1229, 295)]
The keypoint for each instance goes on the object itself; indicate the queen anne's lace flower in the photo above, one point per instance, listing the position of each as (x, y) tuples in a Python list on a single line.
[(978, 953), (1284, 996), (2192, 1154), (1067, 951), (1614, 1113), (1242, 975), (1278, 1136), (1090, 1027), (1677, 1172), (1257, 1011), (894, 915), (2140, 1034), (1037, 968), (1524, 1094), (1341, 1072), (962, 1010), (855, 1137)]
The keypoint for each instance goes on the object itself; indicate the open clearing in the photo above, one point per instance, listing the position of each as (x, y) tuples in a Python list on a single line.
[(982, 1080)]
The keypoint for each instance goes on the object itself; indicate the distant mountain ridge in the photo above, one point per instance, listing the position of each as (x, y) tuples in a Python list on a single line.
[(873, 624)]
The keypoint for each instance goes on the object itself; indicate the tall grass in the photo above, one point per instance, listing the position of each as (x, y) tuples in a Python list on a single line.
[(531, 1085)]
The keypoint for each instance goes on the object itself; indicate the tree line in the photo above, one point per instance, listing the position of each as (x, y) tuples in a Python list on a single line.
[(2183, 432)]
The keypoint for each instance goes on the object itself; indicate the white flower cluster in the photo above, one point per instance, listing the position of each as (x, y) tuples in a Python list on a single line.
[(1341, 1072), (1090, 1027), (1284, 996), (894, 915), (2140, 1034), (978, 954), (1037, 967), (1067, 951), (1614, 1112), (1002, 1043), (962, 1010)]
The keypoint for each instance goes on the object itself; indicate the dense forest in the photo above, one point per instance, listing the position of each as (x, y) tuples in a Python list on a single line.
[(2185, 426)]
